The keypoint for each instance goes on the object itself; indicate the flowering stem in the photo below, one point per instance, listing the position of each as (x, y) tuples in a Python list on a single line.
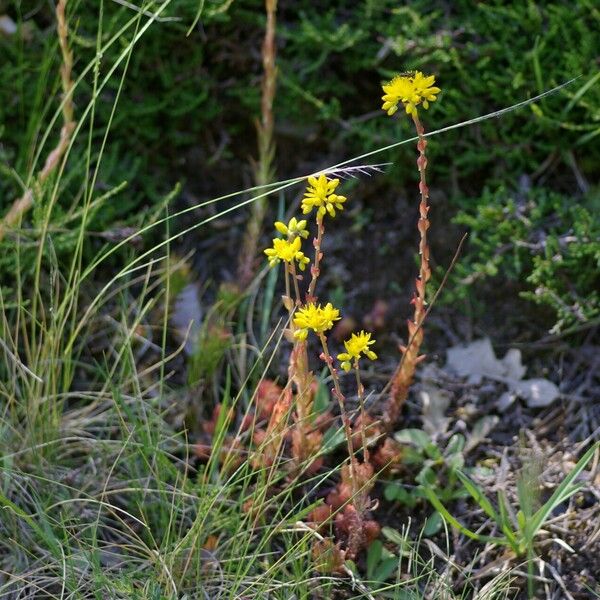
[(404, 374), (287, 282), (360, 390), (295, 280), (423, 225), (337, 392), (299, 374), (314, 270)]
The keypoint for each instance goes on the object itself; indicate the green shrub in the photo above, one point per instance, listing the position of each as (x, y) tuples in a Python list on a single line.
[(189, 98), (547, 241)]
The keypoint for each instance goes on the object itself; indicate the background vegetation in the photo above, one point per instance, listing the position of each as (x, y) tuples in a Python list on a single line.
[(101, 409), (188, 103)]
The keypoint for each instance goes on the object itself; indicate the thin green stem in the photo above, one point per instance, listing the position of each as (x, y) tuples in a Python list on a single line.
[(337, 392)]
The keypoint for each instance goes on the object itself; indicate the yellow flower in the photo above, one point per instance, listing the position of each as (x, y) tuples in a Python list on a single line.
[(319, 194), (425, 88), (293, 229), (286, 251), (411, 89), (357, 344), (316, 317)]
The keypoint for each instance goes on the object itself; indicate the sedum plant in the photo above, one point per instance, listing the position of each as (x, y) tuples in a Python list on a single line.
[(412, 90), (311, 319)]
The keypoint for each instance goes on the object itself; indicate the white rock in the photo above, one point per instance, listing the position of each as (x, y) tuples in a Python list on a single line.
[(536, 392), (478, 360), (7, 25)]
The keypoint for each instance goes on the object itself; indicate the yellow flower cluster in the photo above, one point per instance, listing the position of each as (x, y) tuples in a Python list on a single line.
[(293, 229), (316, 317), (287, 251), (411, 89), (320, 195), (357, 344)]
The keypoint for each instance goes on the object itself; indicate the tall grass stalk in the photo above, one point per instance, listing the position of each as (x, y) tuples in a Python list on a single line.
[(263, 169)]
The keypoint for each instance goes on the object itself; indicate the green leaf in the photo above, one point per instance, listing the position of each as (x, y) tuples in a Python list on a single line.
[(322, 399), (433, 524), (455, 461), (394, 536), (386, 568), (431, 496), (480, 431), (414, 437), (396, 492), (352, 566), (505, 522), (579, 93), (521, 520), (373, 558), (455, 444), (392, 491), (427, 476), (479, 497), (433, 452), (44, 533), (303, 513), (332, 438), (562, 492)]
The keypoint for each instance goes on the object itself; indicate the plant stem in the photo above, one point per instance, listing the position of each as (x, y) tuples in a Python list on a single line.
[(296, 287), (315, 270), (337, 392), (360, 391), (287, 283), (403, 377), (423, 225), (263, 172)]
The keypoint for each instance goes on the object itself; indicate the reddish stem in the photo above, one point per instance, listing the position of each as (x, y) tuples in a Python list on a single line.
[(404, 374)]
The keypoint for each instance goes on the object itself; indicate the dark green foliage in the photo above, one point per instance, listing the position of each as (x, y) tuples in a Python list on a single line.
[(189, 97), (486, 56), (550, 242), (145, 110)]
